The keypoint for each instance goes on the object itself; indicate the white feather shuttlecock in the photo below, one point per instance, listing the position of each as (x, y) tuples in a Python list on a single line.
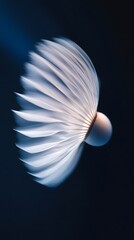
[(59, 109)]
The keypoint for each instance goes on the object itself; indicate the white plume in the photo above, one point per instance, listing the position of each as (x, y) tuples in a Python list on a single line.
[(59, 102)]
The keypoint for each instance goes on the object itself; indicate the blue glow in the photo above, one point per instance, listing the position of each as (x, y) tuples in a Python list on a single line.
[(12, 37)]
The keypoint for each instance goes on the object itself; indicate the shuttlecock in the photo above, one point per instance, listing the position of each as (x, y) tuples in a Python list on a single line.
[(58, 111)]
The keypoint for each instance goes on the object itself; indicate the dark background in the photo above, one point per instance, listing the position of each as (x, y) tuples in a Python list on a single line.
[(96, 201)]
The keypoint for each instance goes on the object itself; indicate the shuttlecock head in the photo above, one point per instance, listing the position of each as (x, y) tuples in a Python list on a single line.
[(100, 131)]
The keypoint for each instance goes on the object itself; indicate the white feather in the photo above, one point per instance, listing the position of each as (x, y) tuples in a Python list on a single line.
[(61, 87)]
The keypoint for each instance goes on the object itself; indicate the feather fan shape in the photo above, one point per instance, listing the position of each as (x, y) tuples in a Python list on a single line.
[(58, 105)]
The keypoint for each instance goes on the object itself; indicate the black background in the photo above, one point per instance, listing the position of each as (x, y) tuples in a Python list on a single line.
[(96, 201)]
